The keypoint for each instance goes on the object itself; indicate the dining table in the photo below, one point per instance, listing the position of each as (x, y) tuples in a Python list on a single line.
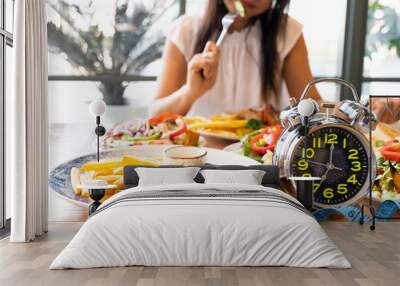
[(63, 146)]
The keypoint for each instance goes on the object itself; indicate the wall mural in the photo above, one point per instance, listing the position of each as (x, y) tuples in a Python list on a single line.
[(112, 52)]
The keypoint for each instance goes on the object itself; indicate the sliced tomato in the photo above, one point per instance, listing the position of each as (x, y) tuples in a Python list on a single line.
[(392, 147), (259, 146), (166, 116), (391, 152), (262, 150), (179, 131), (257, 137), (391, 156)]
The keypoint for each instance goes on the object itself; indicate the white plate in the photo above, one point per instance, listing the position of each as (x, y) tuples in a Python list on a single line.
[(211, 135), (60, 180), (235, 148)]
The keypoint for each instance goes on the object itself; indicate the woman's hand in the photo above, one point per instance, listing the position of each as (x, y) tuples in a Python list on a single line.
[(182, 83), (386, 109), (203, 71)]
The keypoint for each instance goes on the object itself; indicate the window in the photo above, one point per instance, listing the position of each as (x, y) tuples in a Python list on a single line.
[(6, 43), (381, 73), (324, 34)]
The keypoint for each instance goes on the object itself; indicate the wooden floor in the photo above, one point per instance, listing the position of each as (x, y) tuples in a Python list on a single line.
[(375, 257)]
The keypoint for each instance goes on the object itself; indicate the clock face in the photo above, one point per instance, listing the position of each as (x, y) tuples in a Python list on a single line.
[(339, 158)]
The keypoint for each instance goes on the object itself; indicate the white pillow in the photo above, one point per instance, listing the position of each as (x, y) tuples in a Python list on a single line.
[(166, 176), (248, 177)]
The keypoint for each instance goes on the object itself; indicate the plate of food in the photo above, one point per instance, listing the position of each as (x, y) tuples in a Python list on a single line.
[(386, 145), (232, 127), (258, 145), (165, 129), (66, 178)]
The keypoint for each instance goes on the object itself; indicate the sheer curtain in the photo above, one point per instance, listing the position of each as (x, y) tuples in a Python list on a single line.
[(27, 123)]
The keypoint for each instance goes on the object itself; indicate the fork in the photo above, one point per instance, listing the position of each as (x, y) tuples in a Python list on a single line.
[(227, 22)]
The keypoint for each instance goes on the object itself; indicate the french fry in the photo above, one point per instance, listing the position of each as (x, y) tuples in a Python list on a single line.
[(232, 124), (242, 131), (109, 179), (192, 138), (106, 172), (76, 180), (128, 160), (225, 117), (195, 119), (85, 193), (95, 166), (224, 132), (118, 171), (119, 183), (109, 167)]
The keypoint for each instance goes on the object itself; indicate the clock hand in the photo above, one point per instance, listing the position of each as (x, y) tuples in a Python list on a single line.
[(331, 154), (317, 163), (329, 165), (336, 168), (323, 177), (325, 165)]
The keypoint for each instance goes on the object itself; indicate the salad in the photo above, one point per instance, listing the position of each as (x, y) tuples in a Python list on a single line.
[(167, 128), (387, 182), (260, 144)]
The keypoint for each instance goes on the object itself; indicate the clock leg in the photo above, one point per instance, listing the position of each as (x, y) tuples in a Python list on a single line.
[(372, 226), (362, 215)]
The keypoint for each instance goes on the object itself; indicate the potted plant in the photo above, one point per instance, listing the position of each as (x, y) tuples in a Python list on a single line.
[(133, 40), (383, 39)]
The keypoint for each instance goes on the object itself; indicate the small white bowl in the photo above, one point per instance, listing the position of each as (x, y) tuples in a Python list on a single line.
[(185, 156), (96, 185)]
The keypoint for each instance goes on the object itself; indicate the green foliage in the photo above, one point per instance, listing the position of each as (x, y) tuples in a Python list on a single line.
[(254, 124), (383, 28), (133, 44)]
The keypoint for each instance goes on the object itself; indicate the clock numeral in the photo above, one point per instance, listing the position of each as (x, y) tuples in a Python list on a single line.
[(316, 142), (307, 153), (344, 143), (342, 189), (331, 138), (328, 193), (302, 165), (356, 166), (352, 179), (316, 187), (353, 154)]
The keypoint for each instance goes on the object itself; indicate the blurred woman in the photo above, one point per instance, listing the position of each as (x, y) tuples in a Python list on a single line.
[(262, 60)]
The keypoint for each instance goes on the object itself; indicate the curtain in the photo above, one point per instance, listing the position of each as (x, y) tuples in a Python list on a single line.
[(27, 123)]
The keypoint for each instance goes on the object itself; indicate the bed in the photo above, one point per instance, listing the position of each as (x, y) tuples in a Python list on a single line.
[(201, 224)]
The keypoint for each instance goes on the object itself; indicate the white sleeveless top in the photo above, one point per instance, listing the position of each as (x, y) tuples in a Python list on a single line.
[(238, 85)]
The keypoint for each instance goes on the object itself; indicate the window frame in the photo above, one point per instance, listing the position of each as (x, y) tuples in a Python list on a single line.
[(355, 39), (352, 61), (127, 78), (133, 78), (6, 39)]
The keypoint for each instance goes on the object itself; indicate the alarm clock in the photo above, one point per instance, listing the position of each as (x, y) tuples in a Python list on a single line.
[(331, 147)]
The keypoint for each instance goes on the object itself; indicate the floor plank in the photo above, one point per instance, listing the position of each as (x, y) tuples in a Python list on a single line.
[(375, 257)]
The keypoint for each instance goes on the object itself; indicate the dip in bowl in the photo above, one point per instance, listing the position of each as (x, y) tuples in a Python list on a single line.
[(185, 156)]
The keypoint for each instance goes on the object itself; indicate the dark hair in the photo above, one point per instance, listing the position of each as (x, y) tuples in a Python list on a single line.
[(272, 22)]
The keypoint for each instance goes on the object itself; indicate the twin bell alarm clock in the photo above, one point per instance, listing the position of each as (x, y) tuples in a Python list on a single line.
[(333, 147)]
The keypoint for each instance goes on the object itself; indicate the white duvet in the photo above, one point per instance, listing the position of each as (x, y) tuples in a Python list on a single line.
[(202, 231)]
